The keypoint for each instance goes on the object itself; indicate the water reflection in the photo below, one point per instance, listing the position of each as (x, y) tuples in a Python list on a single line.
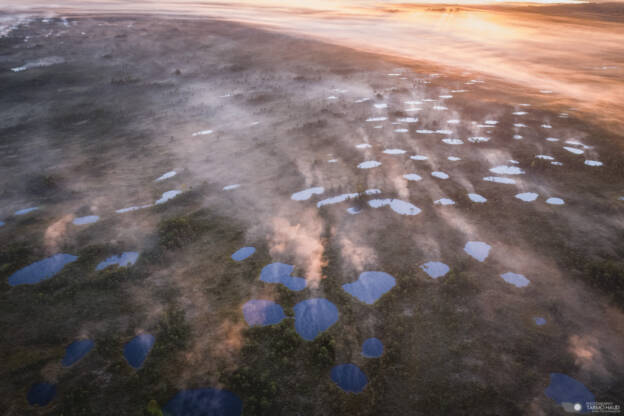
[(370, 286), (313, 316), (76, 350), (262, 312), (280, 273), (89, 219), (25, 211), (137, 349), (569, 393), (124, 260), (372, 348), (435, 269), (40, 394), (349, 377), (204, 401), (242, 253), (41, 270)]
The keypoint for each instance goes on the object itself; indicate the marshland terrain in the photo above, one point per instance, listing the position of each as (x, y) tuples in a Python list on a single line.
[(405, 162)]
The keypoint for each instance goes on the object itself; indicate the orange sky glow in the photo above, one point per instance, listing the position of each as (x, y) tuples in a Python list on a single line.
[(576, 54)]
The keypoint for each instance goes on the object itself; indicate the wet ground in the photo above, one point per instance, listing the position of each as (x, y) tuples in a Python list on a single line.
[(504, 246)]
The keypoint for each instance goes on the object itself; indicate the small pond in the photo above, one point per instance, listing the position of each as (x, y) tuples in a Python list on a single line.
[(137, 349), (89, 219), (242, 253), (349, 377), (204, 402), (370, 286), (478, 250), (262, 312), (372, 348), (568, 392), (280, 273), (41, 270), (40, 394), (313, 316), (124, 260), (75, 351), (435, 269)]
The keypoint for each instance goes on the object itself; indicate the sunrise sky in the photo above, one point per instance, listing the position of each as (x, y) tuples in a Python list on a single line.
[(568, 51)]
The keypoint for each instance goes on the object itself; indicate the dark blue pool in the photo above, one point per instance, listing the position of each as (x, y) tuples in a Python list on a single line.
[(349, 377), (372, 348), (569, 392), (370, 286), (41, 394), (204, 402), (76, 350), (137, 349), (242, 253), (41, 270), (313, 316), (280, 273), (262, 312)]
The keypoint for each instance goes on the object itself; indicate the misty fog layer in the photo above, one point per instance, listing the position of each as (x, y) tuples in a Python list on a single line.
[(574, 50)]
